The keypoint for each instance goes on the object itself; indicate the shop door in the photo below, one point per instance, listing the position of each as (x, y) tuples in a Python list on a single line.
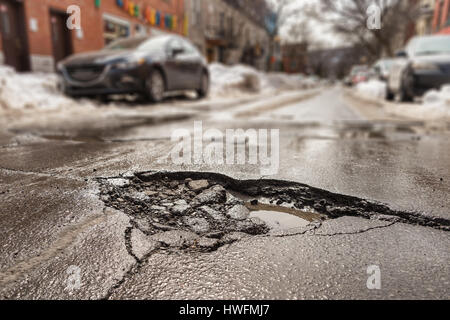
[(61, 36), (12, 28)]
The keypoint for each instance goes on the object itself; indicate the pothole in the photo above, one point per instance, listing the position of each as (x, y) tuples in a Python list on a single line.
[(203, 211)]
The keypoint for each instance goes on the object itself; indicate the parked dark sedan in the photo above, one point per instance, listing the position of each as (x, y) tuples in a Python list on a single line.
[(140, 65), (423, 65)]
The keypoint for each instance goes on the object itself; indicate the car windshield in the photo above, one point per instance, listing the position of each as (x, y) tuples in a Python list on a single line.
[(154, 45), (149, 45), (126, 44), (431, 45)]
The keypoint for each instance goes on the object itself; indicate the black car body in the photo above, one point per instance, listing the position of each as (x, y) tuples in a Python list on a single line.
[(141, 65), (423, 65)]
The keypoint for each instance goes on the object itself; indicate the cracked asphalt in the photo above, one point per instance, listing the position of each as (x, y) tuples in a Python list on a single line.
[(382, 185)]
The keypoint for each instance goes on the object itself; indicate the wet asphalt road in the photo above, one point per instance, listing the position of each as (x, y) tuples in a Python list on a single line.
[(53, 217)]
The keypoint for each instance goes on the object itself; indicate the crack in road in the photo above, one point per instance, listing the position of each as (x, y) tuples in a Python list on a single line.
[(353, 232), (43, 174), (65, 239)]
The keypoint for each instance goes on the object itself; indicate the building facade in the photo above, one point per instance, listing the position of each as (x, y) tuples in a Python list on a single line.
[(441, 17), (195, 23), (34, 33), (424, 24), (230, 31), (294, 57)]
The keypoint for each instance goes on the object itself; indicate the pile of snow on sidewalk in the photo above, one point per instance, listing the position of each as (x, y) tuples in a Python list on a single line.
[(238, 79), (31, 91), (372, 89), (436, 104)]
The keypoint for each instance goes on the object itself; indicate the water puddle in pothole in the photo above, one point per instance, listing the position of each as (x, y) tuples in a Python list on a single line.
[(283, 218)]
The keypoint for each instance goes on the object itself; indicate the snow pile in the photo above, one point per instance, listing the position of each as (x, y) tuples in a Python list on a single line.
[(435, 104), (282, 81), (239, 78), (231, 80), (31, 91), (372, 89)]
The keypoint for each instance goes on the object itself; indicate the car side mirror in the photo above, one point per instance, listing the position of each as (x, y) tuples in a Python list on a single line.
[(401, 54)]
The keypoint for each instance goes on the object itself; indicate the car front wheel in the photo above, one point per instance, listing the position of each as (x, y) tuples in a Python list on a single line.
[(155, 86), (406, 87), (204, 86), (389, 95)]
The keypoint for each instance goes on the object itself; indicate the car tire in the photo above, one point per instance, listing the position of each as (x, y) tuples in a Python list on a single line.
[(389, 95), (155, 86), (404, 96), (202, 92), (406, 85)]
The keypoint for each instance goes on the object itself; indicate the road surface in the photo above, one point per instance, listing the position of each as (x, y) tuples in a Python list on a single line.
[(66, 233)]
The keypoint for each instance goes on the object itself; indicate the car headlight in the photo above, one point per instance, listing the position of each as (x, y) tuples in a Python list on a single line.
[(425, 66), (129, 64)]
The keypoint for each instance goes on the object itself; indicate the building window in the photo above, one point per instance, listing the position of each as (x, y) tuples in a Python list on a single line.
[(115, 28)]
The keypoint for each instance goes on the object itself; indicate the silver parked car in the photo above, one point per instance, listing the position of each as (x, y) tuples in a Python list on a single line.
[(423, 65)]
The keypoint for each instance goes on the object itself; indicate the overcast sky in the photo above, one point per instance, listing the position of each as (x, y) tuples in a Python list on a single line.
[(318, 31)]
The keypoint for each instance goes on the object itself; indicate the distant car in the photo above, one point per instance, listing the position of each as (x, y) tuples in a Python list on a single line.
[(144, 65), (359, 74), (347, 81), (423, 65), (381, 69)]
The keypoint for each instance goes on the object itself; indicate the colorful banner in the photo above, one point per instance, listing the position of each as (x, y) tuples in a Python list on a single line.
[(158, 18), (174, 23), (186, 26), (151, 16)]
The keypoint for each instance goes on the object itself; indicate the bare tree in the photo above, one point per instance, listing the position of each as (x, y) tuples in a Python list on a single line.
[(284, 11), (349, 18)]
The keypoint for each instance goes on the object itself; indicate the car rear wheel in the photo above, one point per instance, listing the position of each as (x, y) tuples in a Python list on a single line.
[(155, 86), (204, 86), (405, 89)]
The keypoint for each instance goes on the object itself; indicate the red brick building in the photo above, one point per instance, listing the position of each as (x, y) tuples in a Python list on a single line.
[(441, 19), (34, 35), (294, 57)]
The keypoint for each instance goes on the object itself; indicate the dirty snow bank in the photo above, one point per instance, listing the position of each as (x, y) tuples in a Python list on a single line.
[(238, 79), (31, 91), (372, 89), (28, 92), (435, 106)]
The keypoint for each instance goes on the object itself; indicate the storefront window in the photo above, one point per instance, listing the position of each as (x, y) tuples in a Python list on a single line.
[(114, 29)]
